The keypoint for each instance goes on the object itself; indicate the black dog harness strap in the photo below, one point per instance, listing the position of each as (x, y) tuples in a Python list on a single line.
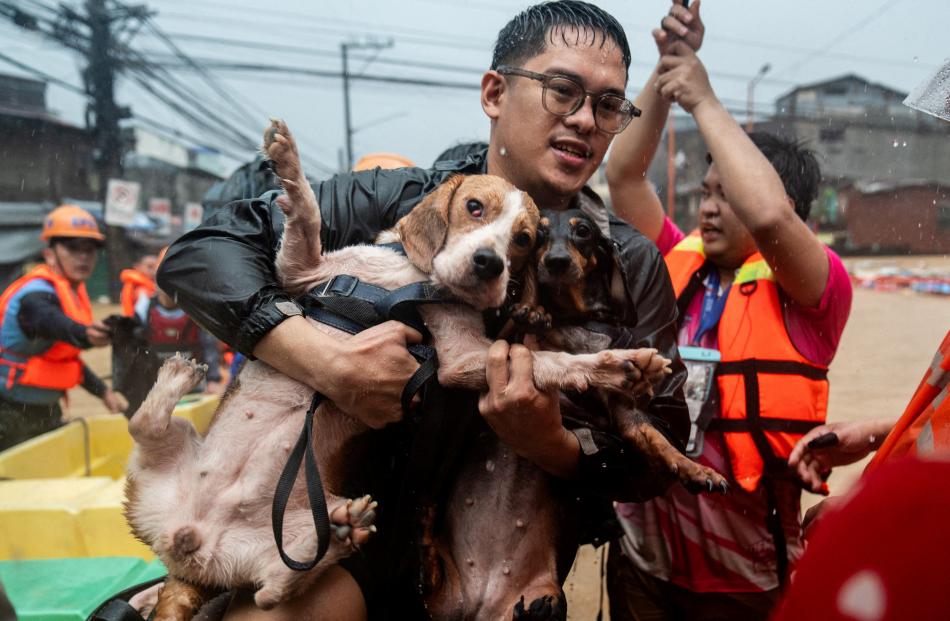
[(348, 304)]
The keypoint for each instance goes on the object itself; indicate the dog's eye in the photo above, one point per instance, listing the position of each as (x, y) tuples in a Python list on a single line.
[(475, 208), (582, 231), (522, 240)]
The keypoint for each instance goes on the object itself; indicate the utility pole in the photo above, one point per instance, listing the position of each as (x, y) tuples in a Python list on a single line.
[(348, 126), (103, 52), (750, 122), (105, 114)]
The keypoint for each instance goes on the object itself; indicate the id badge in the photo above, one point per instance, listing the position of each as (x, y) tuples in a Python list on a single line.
[(699, 390)]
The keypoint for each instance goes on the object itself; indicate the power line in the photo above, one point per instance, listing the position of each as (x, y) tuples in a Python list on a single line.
[(851, 30)]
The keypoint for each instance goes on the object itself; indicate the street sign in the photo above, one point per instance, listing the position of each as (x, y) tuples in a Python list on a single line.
[(122, 199), (194, 212), (161, 210)]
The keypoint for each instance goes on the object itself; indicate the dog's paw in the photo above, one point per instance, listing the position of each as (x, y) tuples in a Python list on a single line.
[(628, 370), (281, 148), (352, 520), (180, 375), (530, 318), (697, 478)]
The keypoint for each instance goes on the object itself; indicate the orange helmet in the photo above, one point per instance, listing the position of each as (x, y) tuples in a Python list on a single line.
[(70, 221), (382, 160)]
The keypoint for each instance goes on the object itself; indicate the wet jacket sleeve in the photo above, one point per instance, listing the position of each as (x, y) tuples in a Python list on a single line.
[(607, 465), (41, 317), (222, 273)]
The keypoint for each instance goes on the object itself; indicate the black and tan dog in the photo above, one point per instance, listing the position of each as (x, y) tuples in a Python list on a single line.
[(579, 286)]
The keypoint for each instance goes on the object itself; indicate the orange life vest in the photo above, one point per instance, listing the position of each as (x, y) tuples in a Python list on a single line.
[(924, 426), (769, 394), (134, 283), (59, 367)]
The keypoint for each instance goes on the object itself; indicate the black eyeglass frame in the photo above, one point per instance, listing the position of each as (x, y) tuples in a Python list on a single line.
[(545, 79)]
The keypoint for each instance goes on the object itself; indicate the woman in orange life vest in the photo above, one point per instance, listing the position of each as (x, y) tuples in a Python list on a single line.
[(138, 282), (45, 321)]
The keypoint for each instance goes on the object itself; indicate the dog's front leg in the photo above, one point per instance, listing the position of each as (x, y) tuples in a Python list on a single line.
[(300, 246), (458, 336)]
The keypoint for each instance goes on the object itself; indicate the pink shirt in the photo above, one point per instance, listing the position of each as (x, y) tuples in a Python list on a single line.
[(714, 543)]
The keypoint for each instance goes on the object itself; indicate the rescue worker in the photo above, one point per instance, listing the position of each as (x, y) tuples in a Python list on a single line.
[(138, 282), (170, 330), (762, 305), (45, 321)]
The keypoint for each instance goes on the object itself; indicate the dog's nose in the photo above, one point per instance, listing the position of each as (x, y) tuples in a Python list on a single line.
[(488, 265), (557, 263)]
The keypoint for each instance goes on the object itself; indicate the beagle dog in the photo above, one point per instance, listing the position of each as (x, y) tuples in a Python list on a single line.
[(203, 504)]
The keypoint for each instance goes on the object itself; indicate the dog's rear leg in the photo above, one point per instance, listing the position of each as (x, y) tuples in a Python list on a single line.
[(159, 435), (179, 601), (300, 246)]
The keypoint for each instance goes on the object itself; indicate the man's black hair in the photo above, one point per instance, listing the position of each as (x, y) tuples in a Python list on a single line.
[(461, 151), (576, 22), (796, 165)]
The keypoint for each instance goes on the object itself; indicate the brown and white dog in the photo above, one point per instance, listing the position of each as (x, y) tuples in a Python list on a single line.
[(203, 504)]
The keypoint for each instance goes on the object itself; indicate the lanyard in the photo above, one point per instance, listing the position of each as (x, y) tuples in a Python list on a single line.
[(713, 305)]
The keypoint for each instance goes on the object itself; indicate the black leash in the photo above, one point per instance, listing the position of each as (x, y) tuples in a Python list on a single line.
[(318, 504), (351, 313)]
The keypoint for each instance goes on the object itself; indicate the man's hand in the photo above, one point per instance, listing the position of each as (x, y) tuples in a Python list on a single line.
[(98, 334), (115, 402), (527, 420), (371, 369), (835, 444), (681, 24), (682, 78), (213, 388)]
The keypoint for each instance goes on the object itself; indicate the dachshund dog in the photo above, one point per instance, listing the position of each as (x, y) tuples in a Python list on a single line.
[(203, 504), (575, 275)]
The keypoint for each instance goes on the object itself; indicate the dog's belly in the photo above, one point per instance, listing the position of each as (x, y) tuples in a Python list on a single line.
[(506, 529), (223, 490)]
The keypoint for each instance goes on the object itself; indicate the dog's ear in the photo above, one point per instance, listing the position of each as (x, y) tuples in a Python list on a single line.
[(424, 230)]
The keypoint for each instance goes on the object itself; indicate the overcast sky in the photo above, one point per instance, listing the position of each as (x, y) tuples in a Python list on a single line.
[(896, 43)]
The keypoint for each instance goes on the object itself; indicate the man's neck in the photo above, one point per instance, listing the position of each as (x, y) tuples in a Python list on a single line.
[(541, 196)]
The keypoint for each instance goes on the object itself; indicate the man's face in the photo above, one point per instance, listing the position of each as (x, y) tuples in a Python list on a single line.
[(552, 157), (74, 257), (726, 240), (148, 265)]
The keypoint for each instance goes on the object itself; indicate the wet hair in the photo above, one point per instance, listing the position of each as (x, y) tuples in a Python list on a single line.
[(461, 151), (576, 22), (795, 165)]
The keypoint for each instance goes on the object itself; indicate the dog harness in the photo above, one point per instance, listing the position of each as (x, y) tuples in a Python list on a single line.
[(351, 305)]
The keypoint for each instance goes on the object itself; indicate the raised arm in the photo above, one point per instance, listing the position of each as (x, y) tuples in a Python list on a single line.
[(750, 184), (631, 194)]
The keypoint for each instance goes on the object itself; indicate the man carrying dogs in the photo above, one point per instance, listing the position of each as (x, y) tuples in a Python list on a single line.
[(554, 96)]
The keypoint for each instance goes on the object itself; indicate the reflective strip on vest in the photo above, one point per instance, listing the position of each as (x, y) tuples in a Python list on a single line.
[(770, 394), (59, 367)]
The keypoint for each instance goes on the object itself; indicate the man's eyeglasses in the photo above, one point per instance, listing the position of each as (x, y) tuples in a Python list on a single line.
[(563, 96)]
